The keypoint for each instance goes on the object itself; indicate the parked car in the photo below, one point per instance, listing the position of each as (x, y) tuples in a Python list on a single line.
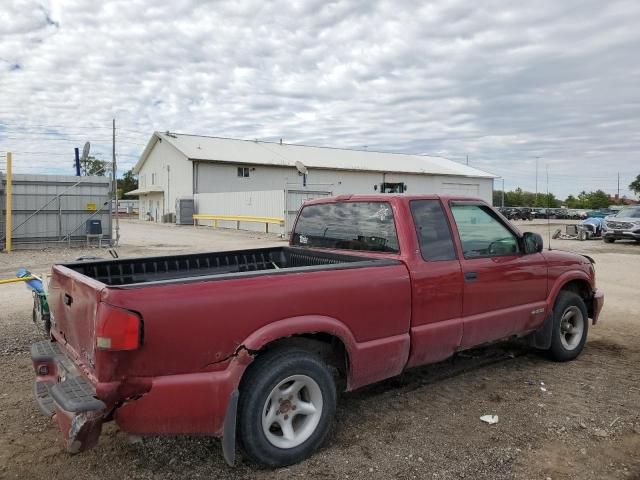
[(253, 344), (510, 213), (526, 213), (558, 213), (540, 213), (601, 213), (624, 225)]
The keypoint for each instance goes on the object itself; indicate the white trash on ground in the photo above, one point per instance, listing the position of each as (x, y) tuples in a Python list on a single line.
[(490, 419)]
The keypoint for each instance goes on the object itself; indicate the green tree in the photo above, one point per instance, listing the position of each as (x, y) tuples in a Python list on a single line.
[(514, 199), (598, 199), (572, 202), (635, 186), (127, 183), (497, 198), (547, 200), (93, 166)]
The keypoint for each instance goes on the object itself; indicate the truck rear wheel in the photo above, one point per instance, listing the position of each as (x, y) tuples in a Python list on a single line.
[(287, 402), (570, 327)]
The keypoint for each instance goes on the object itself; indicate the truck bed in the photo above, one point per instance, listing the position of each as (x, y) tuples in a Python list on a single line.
[(135, 271)]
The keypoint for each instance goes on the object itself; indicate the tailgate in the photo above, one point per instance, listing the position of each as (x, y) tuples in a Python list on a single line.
[(73, 300)]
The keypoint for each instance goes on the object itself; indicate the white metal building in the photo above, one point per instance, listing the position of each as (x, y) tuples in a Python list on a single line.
[(243, 177)]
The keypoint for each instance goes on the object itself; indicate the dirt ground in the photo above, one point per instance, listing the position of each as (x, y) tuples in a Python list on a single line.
[(423, 424)]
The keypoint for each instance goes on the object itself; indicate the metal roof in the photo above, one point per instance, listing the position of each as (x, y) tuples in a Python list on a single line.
[(145, 190), (228, 150)]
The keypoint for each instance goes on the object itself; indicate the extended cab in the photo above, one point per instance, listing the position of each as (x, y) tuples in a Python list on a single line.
[(252, 345)]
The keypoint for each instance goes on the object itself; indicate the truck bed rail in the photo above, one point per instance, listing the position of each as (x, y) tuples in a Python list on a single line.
[(151, 269)]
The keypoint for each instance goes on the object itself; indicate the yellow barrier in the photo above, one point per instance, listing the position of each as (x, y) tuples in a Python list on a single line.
[(238, 219)]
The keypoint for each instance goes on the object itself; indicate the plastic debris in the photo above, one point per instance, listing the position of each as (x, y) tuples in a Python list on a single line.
[(490, 419)]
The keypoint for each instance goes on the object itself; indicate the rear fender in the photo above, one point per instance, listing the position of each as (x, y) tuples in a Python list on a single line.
[(367, 362), (300, 326)]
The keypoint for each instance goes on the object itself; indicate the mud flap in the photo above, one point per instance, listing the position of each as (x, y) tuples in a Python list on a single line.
[(229, 430), (541, 338)]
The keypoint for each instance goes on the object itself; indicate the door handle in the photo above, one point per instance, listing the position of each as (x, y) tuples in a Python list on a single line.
[(470, 276)]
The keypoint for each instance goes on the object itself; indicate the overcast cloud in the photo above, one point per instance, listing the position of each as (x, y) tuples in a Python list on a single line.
[(499, 82)]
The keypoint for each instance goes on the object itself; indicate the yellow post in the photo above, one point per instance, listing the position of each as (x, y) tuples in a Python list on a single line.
[(16, 280), (9, 219)]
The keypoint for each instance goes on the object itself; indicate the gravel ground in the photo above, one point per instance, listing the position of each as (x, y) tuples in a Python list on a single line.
[(423, 424)]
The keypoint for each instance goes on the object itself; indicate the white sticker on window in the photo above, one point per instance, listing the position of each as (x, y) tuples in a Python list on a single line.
[(383, 213)]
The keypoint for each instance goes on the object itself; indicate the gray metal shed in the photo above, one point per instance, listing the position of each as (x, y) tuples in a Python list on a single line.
[(51, 210)]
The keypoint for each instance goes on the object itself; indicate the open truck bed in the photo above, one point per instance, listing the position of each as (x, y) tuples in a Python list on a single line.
[(217, 265)]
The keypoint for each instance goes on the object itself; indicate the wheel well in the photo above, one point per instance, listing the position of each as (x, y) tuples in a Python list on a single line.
[(329, 347), (583, 289)]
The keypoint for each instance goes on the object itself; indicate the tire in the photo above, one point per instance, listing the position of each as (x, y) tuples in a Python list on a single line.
[(608, 240), (570, 327), (266, 383)]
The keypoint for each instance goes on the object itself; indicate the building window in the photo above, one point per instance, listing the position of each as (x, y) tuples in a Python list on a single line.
[(153, 179), (392, 188), (243, 172)]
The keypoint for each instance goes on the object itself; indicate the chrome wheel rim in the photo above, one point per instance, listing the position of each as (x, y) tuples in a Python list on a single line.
[(292, 411), (571, 328)]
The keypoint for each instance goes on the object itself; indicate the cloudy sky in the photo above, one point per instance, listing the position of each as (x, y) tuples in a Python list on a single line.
[(501, 82)]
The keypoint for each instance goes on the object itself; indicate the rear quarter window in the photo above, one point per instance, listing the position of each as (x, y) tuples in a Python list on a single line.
[(367, 226)]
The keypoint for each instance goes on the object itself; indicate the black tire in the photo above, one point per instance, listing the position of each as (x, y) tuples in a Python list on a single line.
[(568, 305), (263, 376), (608, 240)]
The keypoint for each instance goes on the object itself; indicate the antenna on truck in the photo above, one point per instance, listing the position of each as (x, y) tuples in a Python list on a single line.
[(548, 204)]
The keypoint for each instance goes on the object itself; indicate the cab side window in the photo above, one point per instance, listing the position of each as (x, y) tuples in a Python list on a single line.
[(432, 228), (482, 234)]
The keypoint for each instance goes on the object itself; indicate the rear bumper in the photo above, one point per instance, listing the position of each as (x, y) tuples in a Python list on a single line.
[(65, 394), (198, 403)]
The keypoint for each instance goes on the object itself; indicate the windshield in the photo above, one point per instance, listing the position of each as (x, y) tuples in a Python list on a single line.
[(347, 225), (633, 212)]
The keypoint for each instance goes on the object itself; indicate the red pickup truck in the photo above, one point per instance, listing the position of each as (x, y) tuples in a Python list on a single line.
[(252, 345)]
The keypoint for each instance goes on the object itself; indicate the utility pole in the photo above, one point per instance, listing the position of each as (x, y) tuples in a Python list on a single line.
[(537, 158), (169, 191), (8, 206), (618, 187), (115, 183), (503, 193), (77, 161), (467, 159)]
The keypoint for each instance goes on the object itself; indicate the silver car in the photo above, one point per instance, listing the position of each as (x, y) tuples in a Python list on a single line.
[(624, 225)]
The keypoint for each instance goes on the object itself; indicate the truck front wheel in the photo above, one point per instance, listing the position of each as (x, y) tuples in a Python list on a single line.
[(287, 402), (570, 327)]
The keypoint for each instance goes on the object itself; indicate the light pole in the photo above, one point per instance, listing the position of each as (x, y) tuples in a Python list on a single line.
[(537, 158)]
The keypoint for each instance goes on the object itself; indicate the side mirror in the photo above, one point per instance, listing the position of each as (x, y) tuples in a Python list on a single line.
[(532, 242)]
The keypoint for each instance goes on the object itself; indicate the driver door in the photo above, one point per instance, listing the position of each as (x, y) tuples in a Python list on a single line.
[(504, 289)]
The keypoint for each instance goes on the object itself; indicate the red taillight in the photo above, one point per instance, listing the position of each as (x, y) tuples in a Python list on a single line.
[(117, 328)]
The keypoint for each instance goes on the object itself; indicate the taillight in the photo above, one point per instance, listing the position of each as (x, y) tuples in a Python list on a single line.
[(117, 328)]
